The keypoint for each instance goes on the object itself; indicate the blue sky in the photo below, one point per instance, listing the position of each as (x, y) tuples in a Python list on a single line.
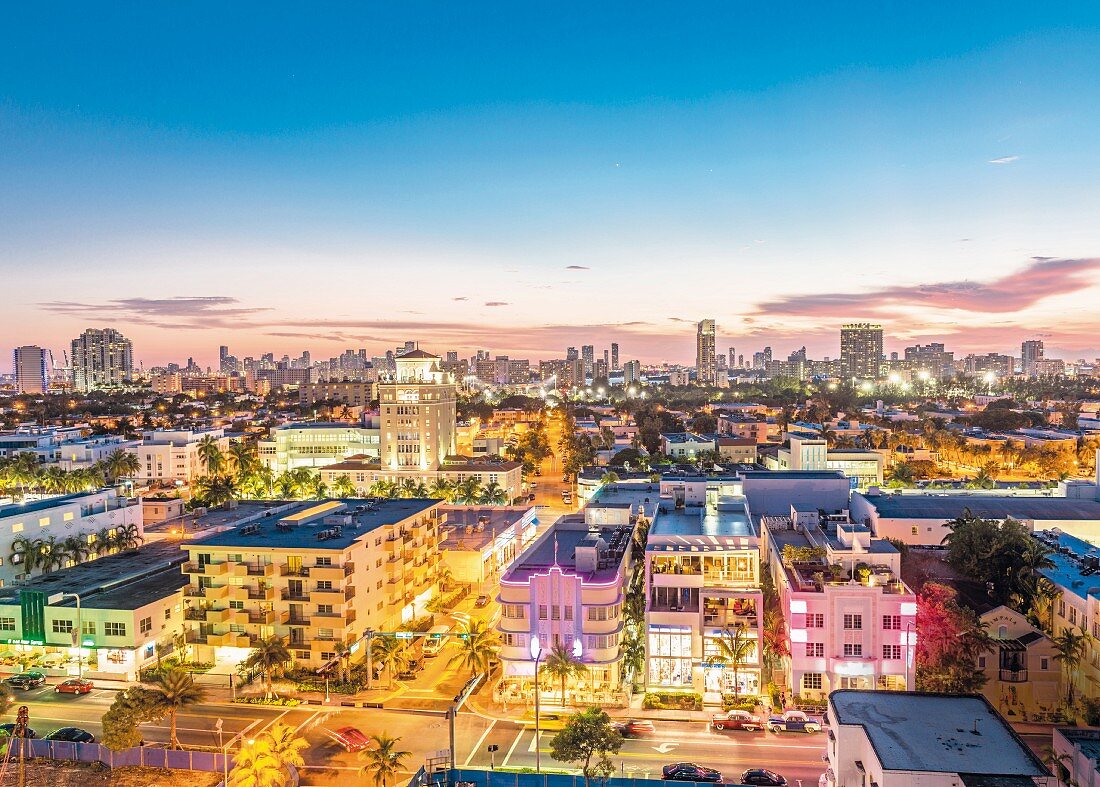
[(520, 177)]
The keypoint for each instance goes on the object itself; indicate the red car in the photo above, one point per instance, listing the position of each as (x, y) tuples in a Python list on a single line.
[(351, 738), (736, 720), (635, 728), (74, 686)]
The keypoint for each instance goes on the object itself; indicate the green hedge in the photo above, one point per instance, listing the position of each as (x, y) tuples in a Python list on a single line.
[(742, 702), (662, 700), (446, 601), (419, 625), (287, 702)]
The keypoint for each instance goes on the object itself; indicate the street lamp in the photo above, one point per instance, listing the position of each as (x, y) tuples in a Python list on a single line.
[(536, 654)]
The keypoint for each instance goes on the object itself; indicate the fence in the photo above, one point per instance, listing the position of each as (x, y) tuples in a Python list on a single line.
[(144, 756), (468, 777)]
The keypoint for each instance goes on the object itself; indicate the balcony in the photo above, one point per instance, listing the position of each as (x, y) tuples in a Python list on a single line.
[(194, 591), (194, 638), (261, 594), (260, 570), (294, 595), (216, 569), (266, 618), (330, 573), (327, 596), (297, 620), (1012, 676), (285, 570), (217, 592), (193, 568)]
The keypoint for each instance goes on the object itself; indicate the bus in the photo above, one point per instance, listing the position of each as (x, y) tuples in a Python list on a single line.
[(434, 640)]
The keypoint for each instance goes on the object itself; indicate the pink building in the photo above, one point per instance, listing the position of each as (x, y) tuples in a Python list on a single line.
[(850, 620)]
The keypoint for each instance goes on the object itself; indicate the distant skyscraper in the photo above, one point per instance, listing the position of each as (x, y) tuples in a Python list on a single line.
[(588, 357), (452, 356), (1031, 352), (741, 361), (571, 354), (101, 358), (861, 351), (767, 356), (615, 357), (705, 370), (30, 370), (607, 359), (732, 358), (632, 373)]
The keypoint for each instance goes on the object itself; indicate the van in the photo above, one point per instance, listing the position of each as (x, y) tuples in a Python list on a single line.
[(434, 640)]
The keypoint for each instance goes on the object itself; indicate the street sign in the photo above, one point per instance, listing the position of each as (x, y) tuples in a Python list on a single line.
[(492, 747)]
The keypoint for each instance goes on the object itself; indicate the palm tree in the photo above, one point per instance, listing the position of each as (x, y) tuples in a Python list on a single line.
[(128, 537), (305, 481), (610, 477), (178, 690), (478, 645), (104, 541), (440, 488), (734, 649), (242, 455), (633, 653), (494, 494), (343, 487), (210, 454), (383, 761), (268, 656), (76, 549), (265, 761), (54, 480), (285, 485), (383, 488), (217, 490), (121, 464), (469, 491), (262, 481), (25, 553), (390, 652), (1070, 648), (562, 664), (412, 488), (444, 576)]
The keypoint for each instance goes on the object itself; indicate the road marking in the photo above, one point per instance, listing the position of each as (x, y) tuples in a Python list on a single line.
[(504, 762), (664, 748), (477, 745), (271, 723), (310, 723), (241, 733), (103, 693)]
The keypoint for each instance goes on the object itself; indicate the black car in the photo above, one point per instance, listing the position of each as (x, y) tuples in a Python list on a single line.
[(763, 778), (26, 680), (9, 730), (690, 772), (71, 734)]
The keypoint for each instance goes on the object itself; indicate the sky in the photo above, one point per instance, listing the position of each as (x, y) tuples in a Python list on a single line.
[(521, 177)]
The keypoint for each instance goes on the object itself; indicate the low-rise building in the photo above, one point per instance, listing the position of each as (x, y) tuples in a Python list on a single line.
[(809, 452), (685, 445), (316, 444), (363, 473), (318, 574), (84, 516), (907, 739), (161, 509), (82, 453), (850, 619), (1076, 761), (168, 455), (566, 589), (479, 542), (736, 449), (1022, 673)]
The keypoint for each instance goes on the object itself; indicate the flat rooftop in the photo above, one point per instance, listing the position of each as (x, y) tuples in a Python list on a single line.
[(934, 733), (1069, 567), (304, 536), (949, 506), (125, 580), (496, 520), (558, 546), (16, 509), (703, 521)]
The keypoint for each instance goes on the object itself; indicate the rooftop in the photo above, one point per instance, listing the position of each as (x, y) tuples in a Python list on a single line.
[(1087, 740), (320, 425), (492, 520), (558, 547), (727, 520), (683, 437), (935, 733), (1076, 563), (949, 506), (300, 526), (125, 580), (16, 509)]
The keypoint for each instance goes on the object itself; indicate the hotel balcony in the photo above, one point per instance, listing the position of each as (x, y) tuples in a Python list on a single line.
[(285, 570), (217, 592), (297, 620), (294, 595), (261, 594), (1012, 676), (331, 573), (327, 596), (266, 570)]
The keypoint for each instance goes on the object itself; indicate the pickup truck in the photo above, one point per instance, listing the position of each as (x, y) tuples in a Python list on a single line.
[(736, 720), (794, 721)]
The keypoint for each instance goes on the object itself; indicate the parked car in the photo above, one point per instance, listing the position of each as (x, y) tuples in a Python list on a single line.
[(689, 772), (71, 734), (9, 730), (482, 601), (26, 680), (74, 686), (351, 738), (794, 721), (762, 777), (635, 728), (736, 720)]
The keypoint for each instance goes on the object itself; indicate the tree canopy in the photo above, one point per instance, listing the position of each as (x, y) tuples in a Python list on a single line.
[(1003, 555), (588, 739)]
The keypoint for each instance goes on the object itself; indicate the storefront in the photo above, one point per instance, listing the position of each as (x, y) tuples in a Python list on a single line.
[(670, 660)]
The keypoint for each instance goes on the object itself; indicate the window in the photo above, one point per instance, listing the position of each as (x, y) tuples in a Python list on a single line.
[(555, 612), (236, 628), (542, 612), (7, 624), (302, 655), (89, 628), (891, 652), (815, 620), (62, 627), (853, 649), (167, 613), (981, 662), (145, 625), (324, 561), (568, 613), (811, 680), (324, 633), (1044, 663), (324, 584), (852, 622), (234, 605), (891, 622), (114, 629), (1073, 616), (815, 649), (512, 640), (1062, 609), (17, 527), (511, 610), (232, 558), (916, 530), (324, 609)]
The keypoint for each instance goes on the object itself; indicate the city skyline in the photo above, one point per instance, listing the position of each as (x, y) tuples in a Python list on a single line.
[(931, 170)]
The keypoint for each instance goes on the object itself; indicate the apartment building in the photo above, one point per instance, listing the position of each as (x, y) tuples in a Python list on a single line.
[(353, 393), (129, 603), (703, 579), (1022, 674), (82, 515), (809, 452), (686, 445), (479, 543), (1077, 608), (906, 739), (318, 574), (173, 454), (317, 444), (81, 453), (566, 589), (42, 442), (849, 617)]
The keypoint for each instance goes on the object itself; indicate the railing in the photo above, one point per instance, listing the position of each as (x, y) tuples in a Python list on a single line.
[(674, 608), (286, 571), (1013, 676), (297, 620), (294, 595)]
